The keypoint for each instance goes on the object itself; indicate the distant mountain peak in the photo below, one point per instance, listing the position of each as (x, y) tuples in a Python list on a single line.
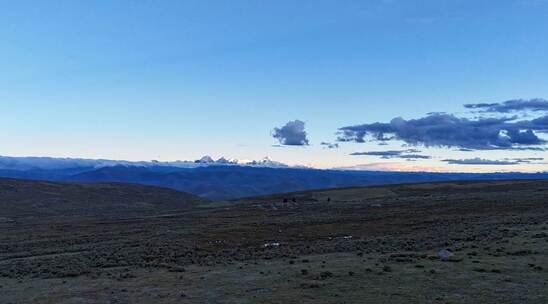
[(223, 160), (266, 162), (52, 163), (205, 160)]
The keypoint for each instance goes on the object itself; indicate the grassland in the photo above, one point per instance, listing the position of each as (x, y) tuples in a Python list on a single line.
[(355, 245)]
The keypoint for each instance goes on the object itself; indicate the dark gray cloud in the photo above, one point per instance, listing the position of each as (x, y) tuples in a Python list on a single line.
[(329, 145), (531, 158), (447, 130), (512, 149), (414, 156), (291, 134), (508, 106), (394, 154), (481, 161), (387, 153)]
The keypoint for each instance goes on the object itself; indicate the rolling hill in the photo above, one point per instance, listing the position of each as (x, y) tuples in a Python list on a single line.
[(232, 182), (40, 200), (222, 179), (450, 242)]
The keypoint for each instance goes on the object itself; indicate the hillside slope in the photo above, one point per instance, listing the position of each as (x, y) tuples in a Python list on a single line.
[(40, 200), (230, 182)]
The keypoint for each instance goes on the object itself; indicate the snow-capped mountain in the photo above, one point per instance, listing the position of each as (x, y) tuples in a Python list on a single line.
[(266, 162), (49, 163), (223, 160), (205, 160)]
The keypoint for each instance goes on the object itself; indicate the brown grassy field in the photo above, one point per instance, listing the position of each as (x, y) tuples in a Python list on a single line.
[(356, 245)]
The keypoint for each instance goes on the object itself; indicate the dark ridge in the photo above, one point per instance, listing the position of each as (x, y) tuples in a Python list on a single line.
[(41, 200)]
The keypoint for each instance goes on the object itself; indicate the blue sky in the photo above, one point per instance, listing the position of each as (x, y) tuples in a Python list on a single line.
[(168, 80)]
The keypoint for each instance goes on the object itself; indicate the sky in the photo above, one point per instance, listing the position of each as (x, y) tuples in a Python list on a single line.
[(303, 82)]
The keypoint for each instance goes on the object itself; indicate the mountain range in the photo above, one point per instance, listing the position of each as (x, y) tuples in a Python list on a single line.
[(49, 163), (222, 178)]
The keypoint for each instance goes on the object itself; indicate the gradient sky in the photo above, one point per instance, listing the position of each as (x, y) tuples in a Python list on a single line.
[(167, 80)]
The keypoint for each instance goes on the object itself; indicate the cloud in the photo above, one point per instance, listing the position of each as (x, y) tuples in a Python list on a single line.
[(292, 134), (508, 106), (387, 153), (481, 161), (401, 166), (329, 145), (527, 159), (394, 154), (447, 130), (414, 156), (512, 149)]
